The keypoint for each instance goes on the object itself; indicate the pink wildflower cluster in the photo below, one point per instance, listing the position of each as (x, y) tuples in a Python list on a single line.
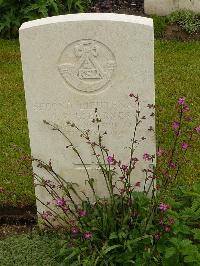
[(148, 157), (160, 152), (184, 146), (157, 236), (175, 125), (181, 101), (124, 167), (75, 231), (46, 215), (172, 165), (167, 226), (163, 207), (198, 129), (60, 202), (184, 106), (81, 213), (111, 160), (87, 235)]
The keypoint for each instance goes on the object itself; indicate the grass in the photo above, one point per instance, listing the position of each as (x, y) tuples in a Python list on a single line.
[(30, 249), (13, 127), (160, 25), (177, 74)]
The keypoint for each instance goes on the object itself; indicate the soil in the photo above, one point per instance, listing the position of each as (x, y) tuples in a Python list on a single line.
[(176, 32), (129, 7), (16, 220), (16, 215)]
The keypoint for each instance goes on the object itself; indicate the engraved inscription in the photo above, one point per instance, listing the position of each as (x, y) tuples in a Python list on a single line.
[(115, 116), (87, 65)]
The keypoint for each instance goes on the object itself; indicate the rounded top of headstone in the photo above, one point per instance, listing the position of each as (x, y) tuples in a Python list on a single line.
[(88, 17)]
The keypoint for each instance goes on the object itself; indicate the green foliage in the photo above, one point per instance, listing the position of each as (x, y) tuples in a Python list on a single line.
[(125, 246), (160, 24), (15, 12), (180, 246), (188, 20), (183, 246), (31, 249)]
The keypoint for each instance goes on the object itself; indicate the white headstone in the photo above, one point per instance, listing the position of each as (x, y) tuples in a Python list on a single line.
[(73, 64)]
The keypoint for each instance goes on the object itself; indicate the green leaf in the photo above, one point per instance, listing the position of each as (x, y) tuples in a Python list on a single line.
[(63, 252), (192, 194), (170, 252), (196, 232), (189, 259), (113, 236), (68, 258), (111, 248), (185, 243)]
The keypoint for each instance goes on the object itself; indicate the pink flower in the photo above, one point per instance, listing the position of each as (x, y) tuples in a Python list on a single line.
[(65, 209), (74, 230), (172, 165), (87, 235), (167, 228), (1, 189), (188, 118), (147, 157), (175, 125), (124, 167), (111, 160), (181, 101), (82, 213), (185, 108), (197, 129), (163, 207), (137, 184), (184, 146), (171, 221), (157, 236), (160, 152), (45, 215), (60, 202)]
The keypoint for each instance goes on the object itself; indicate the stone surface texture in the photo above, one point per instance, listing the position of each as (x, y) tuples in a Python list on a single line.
[(166, 7), (73, 64)]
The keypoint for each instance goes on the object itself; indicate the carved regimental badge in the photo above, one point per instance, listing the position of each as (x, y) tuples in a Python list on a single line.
[(87, 65)]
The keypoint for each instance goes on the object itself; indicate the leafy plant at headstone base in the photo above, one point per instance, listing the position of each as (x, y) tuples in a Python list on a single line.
[(187, 19), (160, 25), (158, 225), (15, 12)]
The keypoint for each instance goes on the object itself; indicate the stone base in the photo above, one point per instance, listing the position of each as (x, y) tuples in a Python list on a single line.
[(166, 7)]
